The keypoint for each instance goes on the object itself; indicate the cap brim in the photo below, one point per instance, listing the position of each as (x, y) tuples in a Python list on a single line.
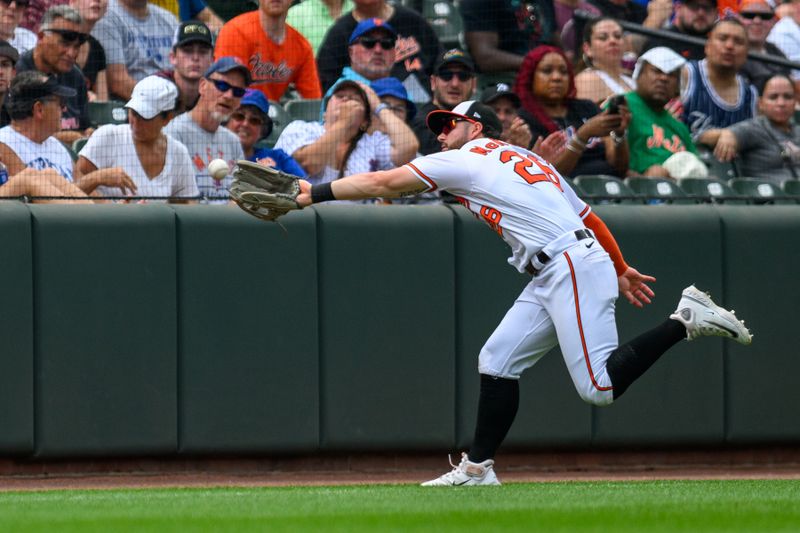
[(196, 39), (65, 92), (436, 119), (143, 108), (504, 94)]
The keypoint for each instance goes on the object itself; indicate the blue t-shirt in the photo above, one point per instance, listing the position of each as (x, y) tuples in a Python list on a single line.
[(283, 161)]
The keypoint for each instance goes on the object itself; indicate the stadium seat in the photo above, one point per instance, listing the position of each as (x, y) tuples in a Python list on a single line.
[(280, 118), (600, 188), (760, 191), (658, 189), (716, 168), (78, 144), (792, 188), (444, 18), (112, 112), (711, 190), (307, 109)]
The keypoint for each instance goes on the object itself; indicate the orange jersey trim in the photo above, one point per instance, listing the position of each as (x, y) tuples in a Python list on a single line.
[(431, 184)]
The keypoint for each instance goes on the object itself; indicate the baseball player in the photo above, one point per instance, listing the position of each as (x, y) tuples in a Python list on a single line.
[(576, 268)]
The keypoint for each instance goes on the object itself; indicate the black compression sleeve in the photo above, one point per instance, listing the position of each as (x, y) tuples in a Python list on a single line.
[(322, 192)]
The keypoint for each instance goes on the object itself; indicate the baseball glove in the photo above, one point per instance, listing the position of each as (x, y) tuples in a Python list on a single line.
[(264, 192)]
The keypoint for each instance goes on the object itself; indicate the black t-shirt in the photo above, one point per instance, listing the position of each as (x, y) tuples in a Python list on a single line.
[(520, 25), (593, 160), (95, 62), (692, 52), (630, 11), (417, 50), (76, 114), (758, 72), (427, 140)]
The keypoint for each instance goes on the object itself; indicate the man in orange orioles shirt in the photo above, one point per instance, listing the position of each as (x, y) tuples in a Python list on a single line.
[(276, 53)]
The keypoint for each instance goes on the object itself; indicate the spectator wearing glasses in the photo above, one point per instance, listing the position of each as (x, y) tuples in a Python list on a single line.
[(251, 123), (416, 50), (157, 164), (11, 13), (192, 54), (34, 104), (276, 53), (453, 81), (693, 18), (758, 19), (60, 41), (91, 57), (221, 91), (8, 60), (137, 38)]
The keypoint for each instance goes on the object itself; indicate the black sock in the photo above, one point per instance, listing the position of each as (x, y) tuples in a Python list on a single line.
[(631, 360), (497, 407)]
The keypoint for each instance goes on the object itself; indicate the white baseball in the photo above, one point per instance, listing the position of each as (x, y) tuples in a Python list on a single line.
[(218, 169)]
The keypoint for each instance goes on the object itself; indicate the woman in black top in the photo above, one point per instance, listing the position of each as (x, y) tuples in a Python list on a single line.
[(91, 57)]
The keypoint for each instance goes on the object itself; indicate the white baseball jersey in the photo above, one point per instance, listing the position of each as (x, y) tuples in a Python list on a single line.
[(519, 194)]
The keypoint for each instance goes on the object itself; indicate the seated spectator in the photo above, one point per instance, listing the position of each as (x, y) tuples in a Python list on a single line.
[(348, 141), (137, 39), (714, 95), (758, 19), (596, 140), (453, 81), (10, 17), (565, 24), (36, 184), (652, 14), (654, 134), (767, 146), (602, 53), (34, 104), (157, 164), (313, 18), (251, 123), (785, 34), (91, 56), (8, 61), (693, 18), (60, 40), (200, 130), (506, 105), (393, 95), (499, 33), (192, 54), (416, 50), (276, 53), (192, 10)]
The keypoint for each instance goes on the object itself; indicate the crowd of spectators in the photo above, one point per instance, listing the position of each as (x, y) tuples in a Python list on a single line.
[(566, 78)]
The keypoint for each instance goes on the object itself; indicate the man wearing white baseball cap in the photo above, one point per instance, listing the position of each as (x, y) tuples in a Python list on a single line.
[(660, 145), (158, 165)]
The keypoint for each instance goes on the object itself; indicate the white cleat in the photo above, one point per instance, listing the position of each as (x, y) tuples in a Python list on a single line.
[(701, 316), (466, 474)]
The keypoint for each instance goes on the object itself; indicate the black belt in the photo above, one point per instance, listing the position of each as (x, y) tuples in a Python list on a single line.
[(543, 258)]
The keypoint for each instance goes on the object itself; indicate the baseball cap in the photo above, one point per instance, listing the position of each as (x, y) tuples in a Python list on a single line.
[(454, 55), (256, 99), (500, 90), (191, 31), (660, 57), (6, 50), (393, 87), (153, 95), (471, 110), (36, 86), (367, 25), (228, 63)]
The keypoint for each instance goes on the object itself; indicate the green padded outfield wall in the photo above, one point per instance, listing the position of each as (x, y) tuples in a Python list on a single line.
[(16, 330)]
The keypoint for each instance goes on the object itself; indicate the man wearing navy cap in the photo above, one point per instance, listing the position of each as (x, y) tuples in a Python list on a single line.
[(221, 91)]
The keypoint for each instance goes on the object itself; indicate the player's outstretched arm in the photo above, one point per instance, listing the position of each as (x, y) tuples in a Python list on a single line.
[(400, 181)]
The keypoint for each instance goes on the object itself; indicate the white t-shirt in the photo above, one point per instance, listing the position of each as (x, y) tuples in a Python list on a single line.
[(373, 151), (112, 146), (519, 194), (49, 154), (23, 40), (785, 34), (203, 148)]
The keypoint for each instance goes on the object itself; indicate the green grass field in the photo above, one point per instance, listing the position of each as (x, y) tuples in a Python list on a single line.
[(614, 507)]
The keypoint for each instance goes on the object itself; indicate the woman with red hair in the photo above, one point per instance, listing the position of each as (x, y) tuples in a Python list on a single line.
[(596, 139)]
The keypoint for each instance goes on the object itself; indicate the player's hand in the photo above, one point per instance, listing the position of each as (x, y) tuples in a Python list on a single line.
[(633, 287), (304, 198), (552, 146), (725, 149)]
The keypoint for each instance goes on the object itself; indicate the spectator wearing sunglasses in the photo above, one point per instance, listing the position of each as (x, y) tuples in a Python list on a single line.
[(91, 57), (137, 38), (758, 19), (158, 165), (11, 13), (453, 81), (251, 123), (60, 41), (221, 91), (276, 53), (416, 48)]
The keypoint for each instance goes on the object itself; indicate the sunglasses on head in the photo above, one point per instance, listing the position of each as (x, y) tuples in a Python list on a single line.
[(252, 119), (451, 124), (224, 86), (20, 3), (387, 43), (70, 36), (753, 16), (447, 75)]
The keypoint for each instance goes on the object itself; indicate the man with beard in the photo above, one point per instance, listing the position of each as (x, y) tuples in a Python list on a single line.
[(693, 18), (200, 129)]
